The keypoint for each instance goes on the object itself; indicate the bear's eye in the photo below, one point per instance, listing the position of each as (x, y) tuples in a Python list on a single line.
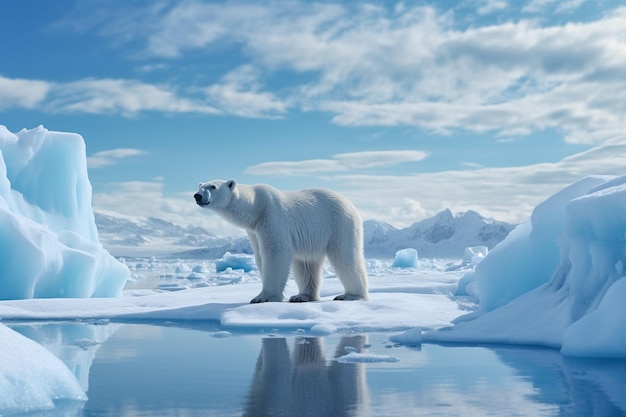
[(211, 187)]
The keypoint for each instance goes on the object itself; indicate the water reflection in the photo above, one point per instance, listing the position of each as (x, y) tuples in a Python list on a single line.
[(75, 343), (172, 371), (305, 382), (577, 387)]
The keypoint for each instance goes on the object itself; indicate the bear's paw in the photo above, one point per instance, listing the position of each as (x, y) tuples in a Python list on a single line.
[(302, 298), (349, 297)]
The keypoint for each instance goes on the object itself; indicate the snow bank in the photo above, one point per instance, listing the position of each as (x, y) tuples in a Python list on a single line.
[(48, 239), (31, 378), (558, 279)]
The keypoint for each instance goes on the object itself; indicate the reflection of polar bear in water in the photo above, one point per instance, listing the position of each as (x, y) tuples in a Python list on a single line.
[(299, 229), (305, 383)]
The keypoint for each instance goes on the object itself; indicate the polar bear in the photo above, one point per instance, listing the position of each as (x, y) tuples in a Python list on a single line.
[(297, 229)]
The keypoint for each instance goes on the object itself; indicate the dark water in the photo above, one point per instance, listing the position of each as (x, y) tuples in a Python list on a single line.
[(173, 370)]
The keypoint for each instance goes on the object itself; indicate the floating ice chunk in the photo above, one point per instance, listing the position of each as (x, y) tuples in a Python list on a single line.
[(221, 335), (235, 261), (199, 269), (356, 357), (32, 378), (406, 258), (474, 254), (194, 276)]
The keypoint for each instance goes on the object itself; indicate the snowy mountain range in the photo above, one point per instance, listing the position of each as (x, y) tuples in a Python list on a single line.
[(445, 235)]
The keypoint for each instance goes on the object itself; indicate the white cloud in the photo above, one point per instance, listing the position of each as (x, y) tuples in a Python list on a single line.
[(370, 65), (310, 166), (367, 65), (239, 93), (126, 97), (373, 159), (562, 6), (339, 162), (111, 157), (507, 193), (472, 165), (16, 92), (490, 6)]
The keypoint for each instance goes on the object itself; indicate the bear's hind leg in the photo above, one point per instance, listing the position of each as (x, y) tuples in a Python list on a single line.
[(308, 276)]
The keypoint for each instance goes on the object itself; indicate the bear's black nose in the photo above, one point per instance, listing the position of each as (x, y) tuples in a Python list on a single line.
[(198, 197)]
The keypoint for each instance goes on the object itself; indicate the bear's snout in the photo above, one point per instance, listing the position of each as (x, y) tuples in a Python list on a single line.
[(202, 197)]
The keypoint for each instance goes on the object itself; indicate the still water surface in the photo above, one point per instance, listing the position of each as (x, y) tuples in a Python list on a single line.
[(177, 370)]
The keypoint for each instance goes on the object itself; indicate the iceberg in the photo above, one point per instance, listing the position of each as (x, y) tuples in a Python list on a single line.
[(559, 278), (49, 243)]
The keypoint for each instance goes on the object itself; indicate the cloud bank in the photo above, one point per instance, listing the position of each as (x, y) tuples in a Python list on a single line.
[(365, 65)]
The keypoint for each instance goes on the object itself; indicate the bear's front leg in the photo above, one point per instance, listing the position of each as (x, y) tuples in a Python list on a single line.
[(274, 274)]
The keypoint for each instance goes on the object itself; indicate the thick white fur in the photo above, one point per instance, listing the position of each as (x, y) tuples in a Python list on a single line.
[(297, 229)]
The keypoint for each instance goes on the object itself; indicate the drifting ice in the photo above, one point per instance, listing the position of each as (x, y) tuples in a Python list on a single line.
[(235, 261), (49, 243), (406, 258), (475, 254)]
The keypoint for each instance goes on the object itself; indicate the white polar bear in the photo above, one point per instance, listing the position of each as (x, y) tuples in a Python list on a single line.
[(298, 229)]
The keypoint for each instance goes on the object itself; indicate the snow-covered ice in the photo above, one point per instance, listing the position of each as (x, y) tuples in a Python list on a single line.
[(400, 299), (49, 244)]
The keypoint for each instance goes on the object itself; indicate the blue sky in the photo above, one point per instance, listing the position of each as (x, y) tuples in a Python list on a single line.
[(406, 107)]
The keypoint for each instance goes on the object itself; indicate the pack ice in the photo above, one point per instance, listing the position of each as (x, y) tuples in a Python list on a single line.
[(49, 243)]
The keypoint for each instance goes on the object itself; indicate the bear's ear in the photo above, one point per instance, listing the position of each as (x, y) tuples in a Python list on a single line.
[(231, 184)]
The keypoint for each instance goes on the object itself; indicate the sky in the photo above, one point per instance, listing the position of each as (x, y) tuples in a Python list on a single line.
[(407, 108)]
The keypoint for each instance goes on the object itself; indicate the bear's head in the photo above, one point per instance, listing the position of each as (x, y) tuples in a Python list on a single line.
[(215, 194)]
